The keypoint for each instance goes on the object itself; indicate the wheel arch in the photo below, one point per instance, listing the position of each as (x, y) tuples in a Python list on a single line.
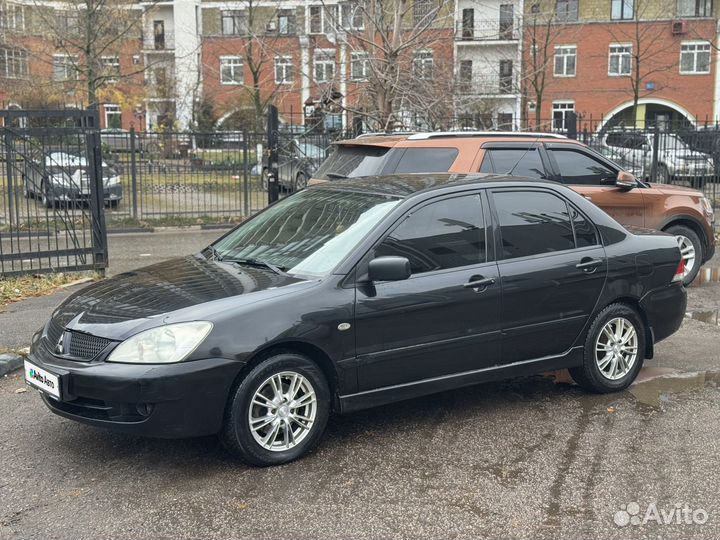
[(313, 352), (634, 303), (691, 223)]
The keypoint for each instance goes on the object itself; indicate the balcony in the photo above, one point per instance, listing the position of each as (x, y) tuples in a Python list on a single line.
[(485, 30), (486, 86), (158, 42)]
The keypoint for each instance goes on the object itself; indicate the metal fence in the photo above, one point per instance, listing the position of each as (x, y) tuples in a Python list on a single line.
[(51, 192)]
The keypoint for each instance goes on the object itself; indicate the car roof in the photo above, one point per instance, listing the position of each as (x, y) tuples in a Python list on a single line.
[(406, 185), (447, 137)]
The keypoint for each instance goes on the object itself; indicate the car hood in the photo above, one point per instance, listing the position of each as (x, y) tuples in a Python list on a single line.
[(670, 189), (116, 307)]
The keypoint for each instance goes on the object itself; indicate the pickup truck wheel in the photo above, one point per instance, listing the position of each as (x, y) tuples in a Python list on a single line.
[(691, 249)]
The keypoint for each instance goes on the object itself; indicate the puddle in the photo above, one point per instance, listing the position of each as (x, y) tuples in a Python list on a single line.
[(654, 385), (709, 316), (706, 274)]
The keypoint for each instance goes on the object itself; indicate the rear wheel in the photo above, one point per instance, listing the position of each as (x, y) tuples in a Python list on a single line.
[(278, 412), (47, 201), (691, 249), (614, 350)]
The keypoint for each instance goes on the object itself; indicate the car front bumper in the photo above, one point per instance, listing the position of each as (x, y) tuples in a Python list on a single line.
[(185, 399), (73, 194)]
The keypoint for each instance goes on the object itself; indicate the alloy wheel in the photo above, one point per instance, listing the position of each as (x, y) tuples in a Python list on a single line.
[(282, 411), (687, 251), (616, 348)]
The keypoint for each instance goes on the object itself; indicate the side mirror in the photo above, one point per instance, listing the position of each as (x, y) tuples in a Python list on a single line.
[(625, 180), (389, 269)]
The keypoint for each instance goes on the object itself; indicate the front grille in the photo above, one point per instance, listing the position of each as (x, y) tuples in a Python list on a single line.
[(86, 347)]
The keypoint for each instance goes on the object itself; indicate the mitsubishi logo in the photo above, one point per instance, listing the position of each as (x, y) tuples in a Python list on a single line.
[(60, 347)]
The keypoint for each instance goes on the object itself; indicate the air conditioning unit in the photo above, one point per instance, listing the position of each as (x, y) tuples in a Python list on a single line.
[(531, 106), (271, 26), (679, 27)]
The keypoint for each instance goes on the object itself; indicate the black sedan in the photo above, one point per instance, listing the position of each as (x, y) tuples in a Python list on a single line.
[(354, 294)]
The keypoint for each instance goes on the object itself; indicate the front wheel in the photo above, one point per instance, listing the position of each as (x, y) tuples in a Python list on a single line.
[(301, 181), (614, 350), (278, 412), (691, 250)]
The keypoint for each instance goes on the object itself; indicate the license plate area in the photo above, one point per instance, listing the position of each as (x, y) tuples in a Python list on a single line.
[(43, 380)]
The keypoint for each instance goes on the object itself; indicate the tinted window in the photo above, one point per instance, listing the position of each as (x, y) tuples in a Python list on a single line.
[(521, 161), (532, 222), (578, 168), (426, 160), (584, 230), (444, 234), (352, 162)]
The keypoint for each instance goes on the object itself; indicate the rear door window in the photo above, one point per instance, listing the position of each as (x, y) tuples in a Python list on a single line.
[(518, 161), (353, 162), (426, 160)]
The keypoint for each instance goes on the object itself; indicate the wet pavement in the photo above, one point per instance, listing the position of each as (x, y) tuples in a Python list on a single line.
[(528, 458)]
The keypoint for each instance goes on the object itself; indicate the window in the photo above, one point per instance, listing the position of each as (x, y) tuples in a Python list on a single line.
[(505, 21), (465, 75), (506, 77), (505, 121), (286, 22), (233, 22), (579, 168), (532, 222), (426, 160), (566, 10), (423, 65), (359, 66), (468, 23), (324, 64), (585, 234), (423, 11), (352, 16), (322, 19), (560, 114), (68, 20), (13, 63), (113, 116), (694, 8), (695, 57), (284, 72), (565, 60), (64, 67), (231, 70), (111, 67), (622, 9), (444, 234), (159, 35), (620, 63), (518, 161), (12, 16)]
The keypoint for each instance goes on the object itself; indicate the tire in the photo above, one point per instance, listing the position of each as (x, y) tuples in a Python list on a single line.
[(596, 373), (662, 175), (264, 180), (300, 181), (691, 248), (246, 403), (112, 204)]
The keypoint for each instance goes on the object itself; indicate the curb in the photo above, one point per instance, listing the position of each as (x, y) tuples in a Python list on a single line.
[(9, 362)]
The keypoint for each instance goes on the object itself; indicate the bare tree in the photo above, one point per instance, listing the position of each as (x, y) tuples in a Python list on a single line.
[(392, 46)]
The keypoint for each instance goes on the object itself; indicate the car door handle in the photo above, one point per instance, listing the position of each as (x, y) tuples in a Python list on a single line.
[(479, 283), (589, 265)]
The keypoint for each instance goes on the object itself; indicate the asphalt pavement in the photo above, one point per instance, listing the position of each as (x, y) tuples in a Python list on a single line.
[(527, 458)]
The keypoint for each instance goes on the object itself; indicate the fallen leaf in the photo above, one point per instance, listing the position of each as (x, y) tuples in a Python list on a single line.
[(611, 409), (21, 390)]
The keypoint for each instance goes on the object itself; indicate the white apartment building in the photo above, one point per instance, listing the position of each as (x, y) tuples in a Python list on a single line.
[(488, 59)]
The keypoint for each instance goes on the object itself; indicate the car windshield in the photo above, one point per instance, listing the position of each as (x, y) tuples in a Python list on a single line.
[(352, 162), (669, 141), (308, 233), (310, 150)]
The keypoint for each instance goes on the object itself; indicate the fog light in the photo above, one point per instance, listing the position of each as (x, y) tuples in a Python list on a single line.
[(145, 409)]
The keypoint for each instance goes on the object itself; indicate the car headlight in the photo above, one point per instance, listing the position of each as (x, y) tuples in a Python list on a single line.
[(706, 206), (112, 181), (163, 345)]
